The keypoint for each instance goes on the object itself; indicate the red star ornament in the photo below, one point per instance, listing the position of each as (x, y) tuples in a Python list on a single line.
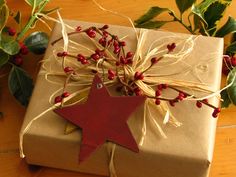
[(102, 118)]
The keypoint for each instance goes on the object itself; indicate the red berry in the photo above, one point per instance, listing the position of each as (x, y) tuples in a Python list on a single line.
[(215, 115), (68, 69), (181, 96), (123, 60), (198, 104), (91, 33), (59, 54), (101, 53), (95, 56), (84, 62), (23, 49), (105, 34), (158, 93), (18, 60), (11, 31), (129, 55), (102, 41), (111, 72), (64, 54), (78, 28), (58, 99), (154, 60), (138, 91), (217, 110), (80, 57), (164, 86), (116, 50), (65, 94), (129, 61), (117, 63), (159, 87), (171, 47), (110, 77), (105, 27), (172, 102), (138, 76), (115, 37), (158, 101), (233, 61), (115, 44), (122, 43)]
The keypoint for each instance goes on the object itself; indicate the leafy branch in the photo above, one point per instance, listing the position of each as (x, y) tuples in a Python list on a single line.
[(13, 48), (202, 18)]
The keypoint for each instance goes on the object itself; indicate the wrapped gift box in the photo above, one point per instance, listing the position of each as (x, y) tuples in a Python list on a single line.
[(187, 150)]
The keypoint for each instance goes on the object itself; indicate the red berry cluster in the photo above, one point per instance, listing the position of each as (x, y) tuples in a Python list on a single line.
[(18, 59), (60, 98), (229, 62), (110, 42)]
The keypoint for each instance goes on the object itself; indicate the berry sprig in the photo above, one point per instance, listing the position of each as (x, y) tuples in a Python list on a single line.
[(112, 51)]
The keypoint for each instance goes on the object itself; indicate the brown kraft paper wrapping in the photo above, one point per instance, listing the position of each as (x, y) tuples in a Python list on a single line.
[(187, 152)]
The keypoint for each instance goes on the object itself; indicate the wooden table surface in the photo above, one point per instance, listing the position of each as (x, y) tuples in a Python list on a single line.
[(224, 162)]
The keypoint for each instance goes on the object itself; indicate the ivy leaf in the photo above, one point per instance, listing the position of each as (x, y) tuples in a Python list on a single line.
[(231, 48), (228, 27), (151, 24), (232, 89), (37, 42), (4, 57), (17, 17), (199, 10), (9, 45), (213, 14), (150, 14), (20, 85), (4, 14), (225, 97), (31, 2), (184, 5)]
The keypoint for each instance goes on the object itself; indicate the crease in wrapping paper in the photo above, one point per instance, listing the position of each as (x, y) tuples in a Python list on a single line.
[(166, 119)]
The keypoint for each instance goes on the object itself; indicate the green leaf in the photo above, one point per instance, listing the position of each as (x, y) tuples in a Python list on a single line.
[(209, 12), (231, 48), (4, 57), (37, 42), (4, 14), (184, 5), (150, 14), (17, 17), (231, 79), (213, 15), (20, 85), (228, 27), (37, 2), (9, 45), (151, 24), (226, 101)]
